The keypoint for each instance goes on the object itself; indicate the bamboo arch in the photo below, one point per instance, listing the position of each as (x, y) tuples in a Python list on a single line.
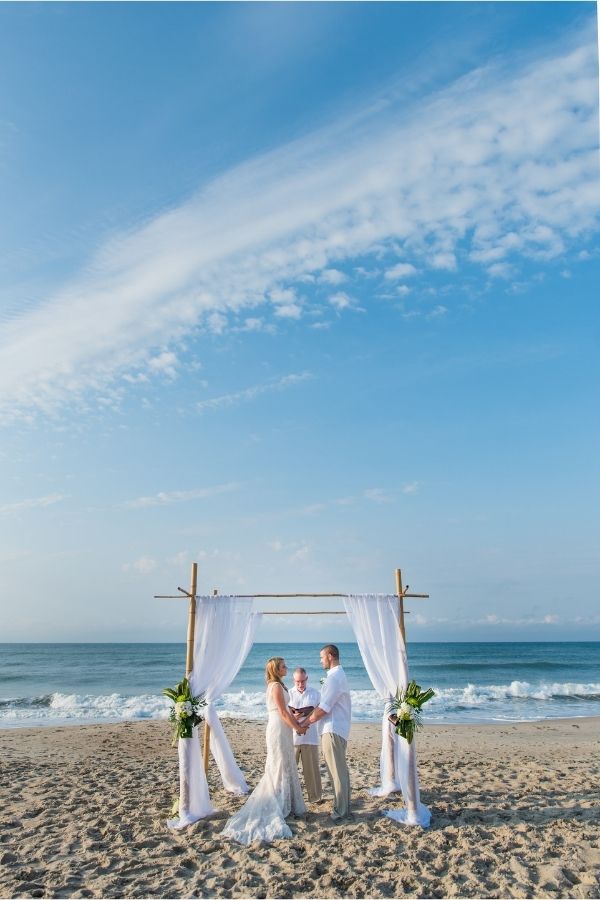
[(401, 592)]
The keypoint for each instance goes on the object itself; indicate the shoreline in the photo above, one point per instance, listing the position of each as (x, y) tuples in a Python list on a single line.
[(514, 814), (490, 723)]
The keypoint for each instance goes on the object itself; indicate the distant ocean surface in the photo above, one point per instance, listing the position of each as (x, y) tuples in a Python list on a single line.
[(57, 684)]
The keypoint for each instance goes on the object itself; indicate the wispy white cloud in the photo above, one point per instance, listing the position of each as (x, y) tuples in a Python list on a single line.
[(286, 303), (332, 276), (31, 503), (167, 498), (401, 270), (444, 261), (377, 495), (165, 363), (501, 165), (297, 551), (178, 559), (494, 619), (340, 300), (371, 495), (313, 508), (437, 312), (300, 554), (288, 311), (251, 393), (143, 566), (411, 487)]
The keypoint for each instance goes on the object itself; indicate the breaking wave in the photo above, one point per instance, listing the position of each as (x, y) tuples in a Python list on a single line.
[(517, 700)]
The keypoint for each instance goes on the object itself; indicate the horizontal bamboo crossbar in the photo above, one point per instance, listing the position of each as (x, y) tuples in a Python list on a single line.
[(278, 596), (290, 595), (306, 612), (311, 612)]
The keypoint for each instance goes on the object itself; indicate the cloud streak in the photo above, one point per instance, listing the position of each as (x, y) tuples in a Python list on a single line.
[(499, 167), (167, 498), (31, 503), (251, 393)]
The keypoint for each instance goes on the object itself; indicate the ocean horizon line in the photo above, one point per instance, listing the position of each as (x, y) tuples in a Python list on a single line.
[(283, 643)]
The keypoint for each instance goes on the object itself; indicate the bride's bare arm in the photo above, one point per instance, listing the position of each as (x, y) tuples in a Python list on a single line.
[(284, 712)]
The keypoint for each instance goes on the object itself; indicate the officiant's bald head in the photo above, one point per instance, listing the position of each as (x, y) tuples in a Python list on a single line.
[(300, 679)]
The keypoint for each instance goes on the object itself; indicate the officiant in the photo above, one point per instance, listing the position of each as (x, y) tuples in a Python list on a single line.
[(303, 697)]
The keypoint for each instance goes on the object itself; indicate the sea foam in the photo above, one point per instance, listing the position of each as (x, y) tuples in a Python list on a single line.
[(516, 700)]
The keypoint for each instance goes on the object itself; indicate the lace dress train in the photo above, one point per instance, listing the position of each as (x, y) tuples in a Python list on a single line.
[(277, 795)]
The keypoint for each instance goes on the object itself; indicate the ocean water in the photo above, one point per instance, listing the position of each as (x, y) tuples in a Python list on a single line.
[(51, 684)]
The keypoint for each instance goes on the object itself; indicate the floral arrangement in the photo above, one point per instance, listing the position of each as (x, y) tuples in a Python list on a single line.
[(185, 712), (404, 709)]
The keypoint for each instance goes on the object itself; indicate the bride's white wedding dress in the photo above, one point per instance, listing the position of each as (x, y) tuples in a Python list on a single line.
[(277, 795)]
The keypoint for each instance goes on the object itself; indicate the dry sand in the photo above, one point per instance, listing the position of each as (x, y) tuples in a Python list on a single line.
[(515, 814)]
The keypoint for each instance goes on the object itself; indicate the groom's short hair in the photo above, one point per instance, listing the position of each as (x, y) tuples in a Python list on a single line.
[(332, 650)]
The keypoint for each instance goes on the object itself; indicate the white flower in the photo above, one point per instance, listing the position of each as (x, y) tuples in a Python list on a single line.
[(406, 710), (183, 708)]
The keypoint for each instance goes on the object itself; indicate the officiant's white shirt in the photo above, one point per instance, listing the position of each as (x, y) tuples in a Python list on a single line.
[(335, 701), (310, 697)]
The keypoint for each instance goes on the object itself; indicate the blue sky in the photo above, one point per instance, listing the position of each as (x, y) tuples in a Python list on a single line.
[(305, 293)]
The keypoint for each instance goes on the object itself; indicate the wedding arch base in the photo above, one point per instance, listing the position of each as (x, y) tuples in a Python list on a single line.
[(220, 637), (194, 798)]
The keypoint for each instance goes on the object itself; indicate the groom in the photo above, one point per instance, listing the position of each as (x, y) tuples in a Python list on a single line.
[(333, 715)]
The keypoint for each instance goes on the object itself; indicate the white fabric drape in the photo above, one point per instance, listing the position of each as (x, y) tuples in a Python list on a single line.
[(194, 799), (374, 620), (224, 633)]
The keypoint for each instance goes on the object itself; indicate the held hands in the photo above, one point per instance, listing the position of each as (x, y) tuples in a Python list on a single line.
[(301, 729)]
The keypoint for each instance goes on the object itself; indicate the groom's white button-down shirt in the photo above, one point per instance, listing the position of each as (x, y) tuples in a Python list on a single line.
[(335, 701), (299, 700)]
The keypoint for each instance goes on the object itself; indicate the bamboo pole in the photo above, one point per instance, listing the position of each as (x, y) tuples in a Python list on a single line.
[(400, 594), (305, 612), (206, 746), (184, 797), (189, 657), (274, 596), (412, 786)]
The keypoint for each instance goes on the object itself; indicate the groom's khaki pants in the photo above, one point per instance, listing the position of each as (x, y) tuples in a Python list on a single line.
[(334, 753), (309, 754)]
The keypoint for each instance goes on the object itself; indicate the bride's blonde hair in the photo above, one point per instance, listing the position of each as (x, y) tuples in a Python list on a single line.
[(272, 671)]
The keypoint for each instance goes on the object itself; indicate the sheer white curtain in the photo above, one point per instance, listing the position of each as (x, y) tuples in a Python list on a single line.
[(224, 634), (374, 620)]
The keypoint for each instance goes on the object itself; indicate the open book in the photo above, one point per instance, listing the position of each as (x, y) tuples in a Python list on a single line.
[(301, 713)]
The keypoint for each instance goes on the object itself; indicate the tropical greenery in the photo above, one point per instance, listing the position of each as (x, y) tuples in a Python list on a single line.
[(405, 709), (185, 712)]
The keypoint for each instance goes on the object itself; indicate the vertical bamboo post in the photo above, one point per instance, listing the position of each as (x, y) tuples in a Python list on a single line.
[(401, 604), (206, 744), (184, 790), (412, 788), (189, 657)]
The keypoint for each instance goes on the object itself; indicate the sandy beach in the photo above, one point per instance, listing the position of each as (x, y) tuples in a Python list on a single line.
[(515, 814)]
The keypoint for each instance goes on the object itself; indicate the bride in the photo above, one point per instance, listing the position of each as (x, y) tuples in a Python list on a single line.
[(278, 793)]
